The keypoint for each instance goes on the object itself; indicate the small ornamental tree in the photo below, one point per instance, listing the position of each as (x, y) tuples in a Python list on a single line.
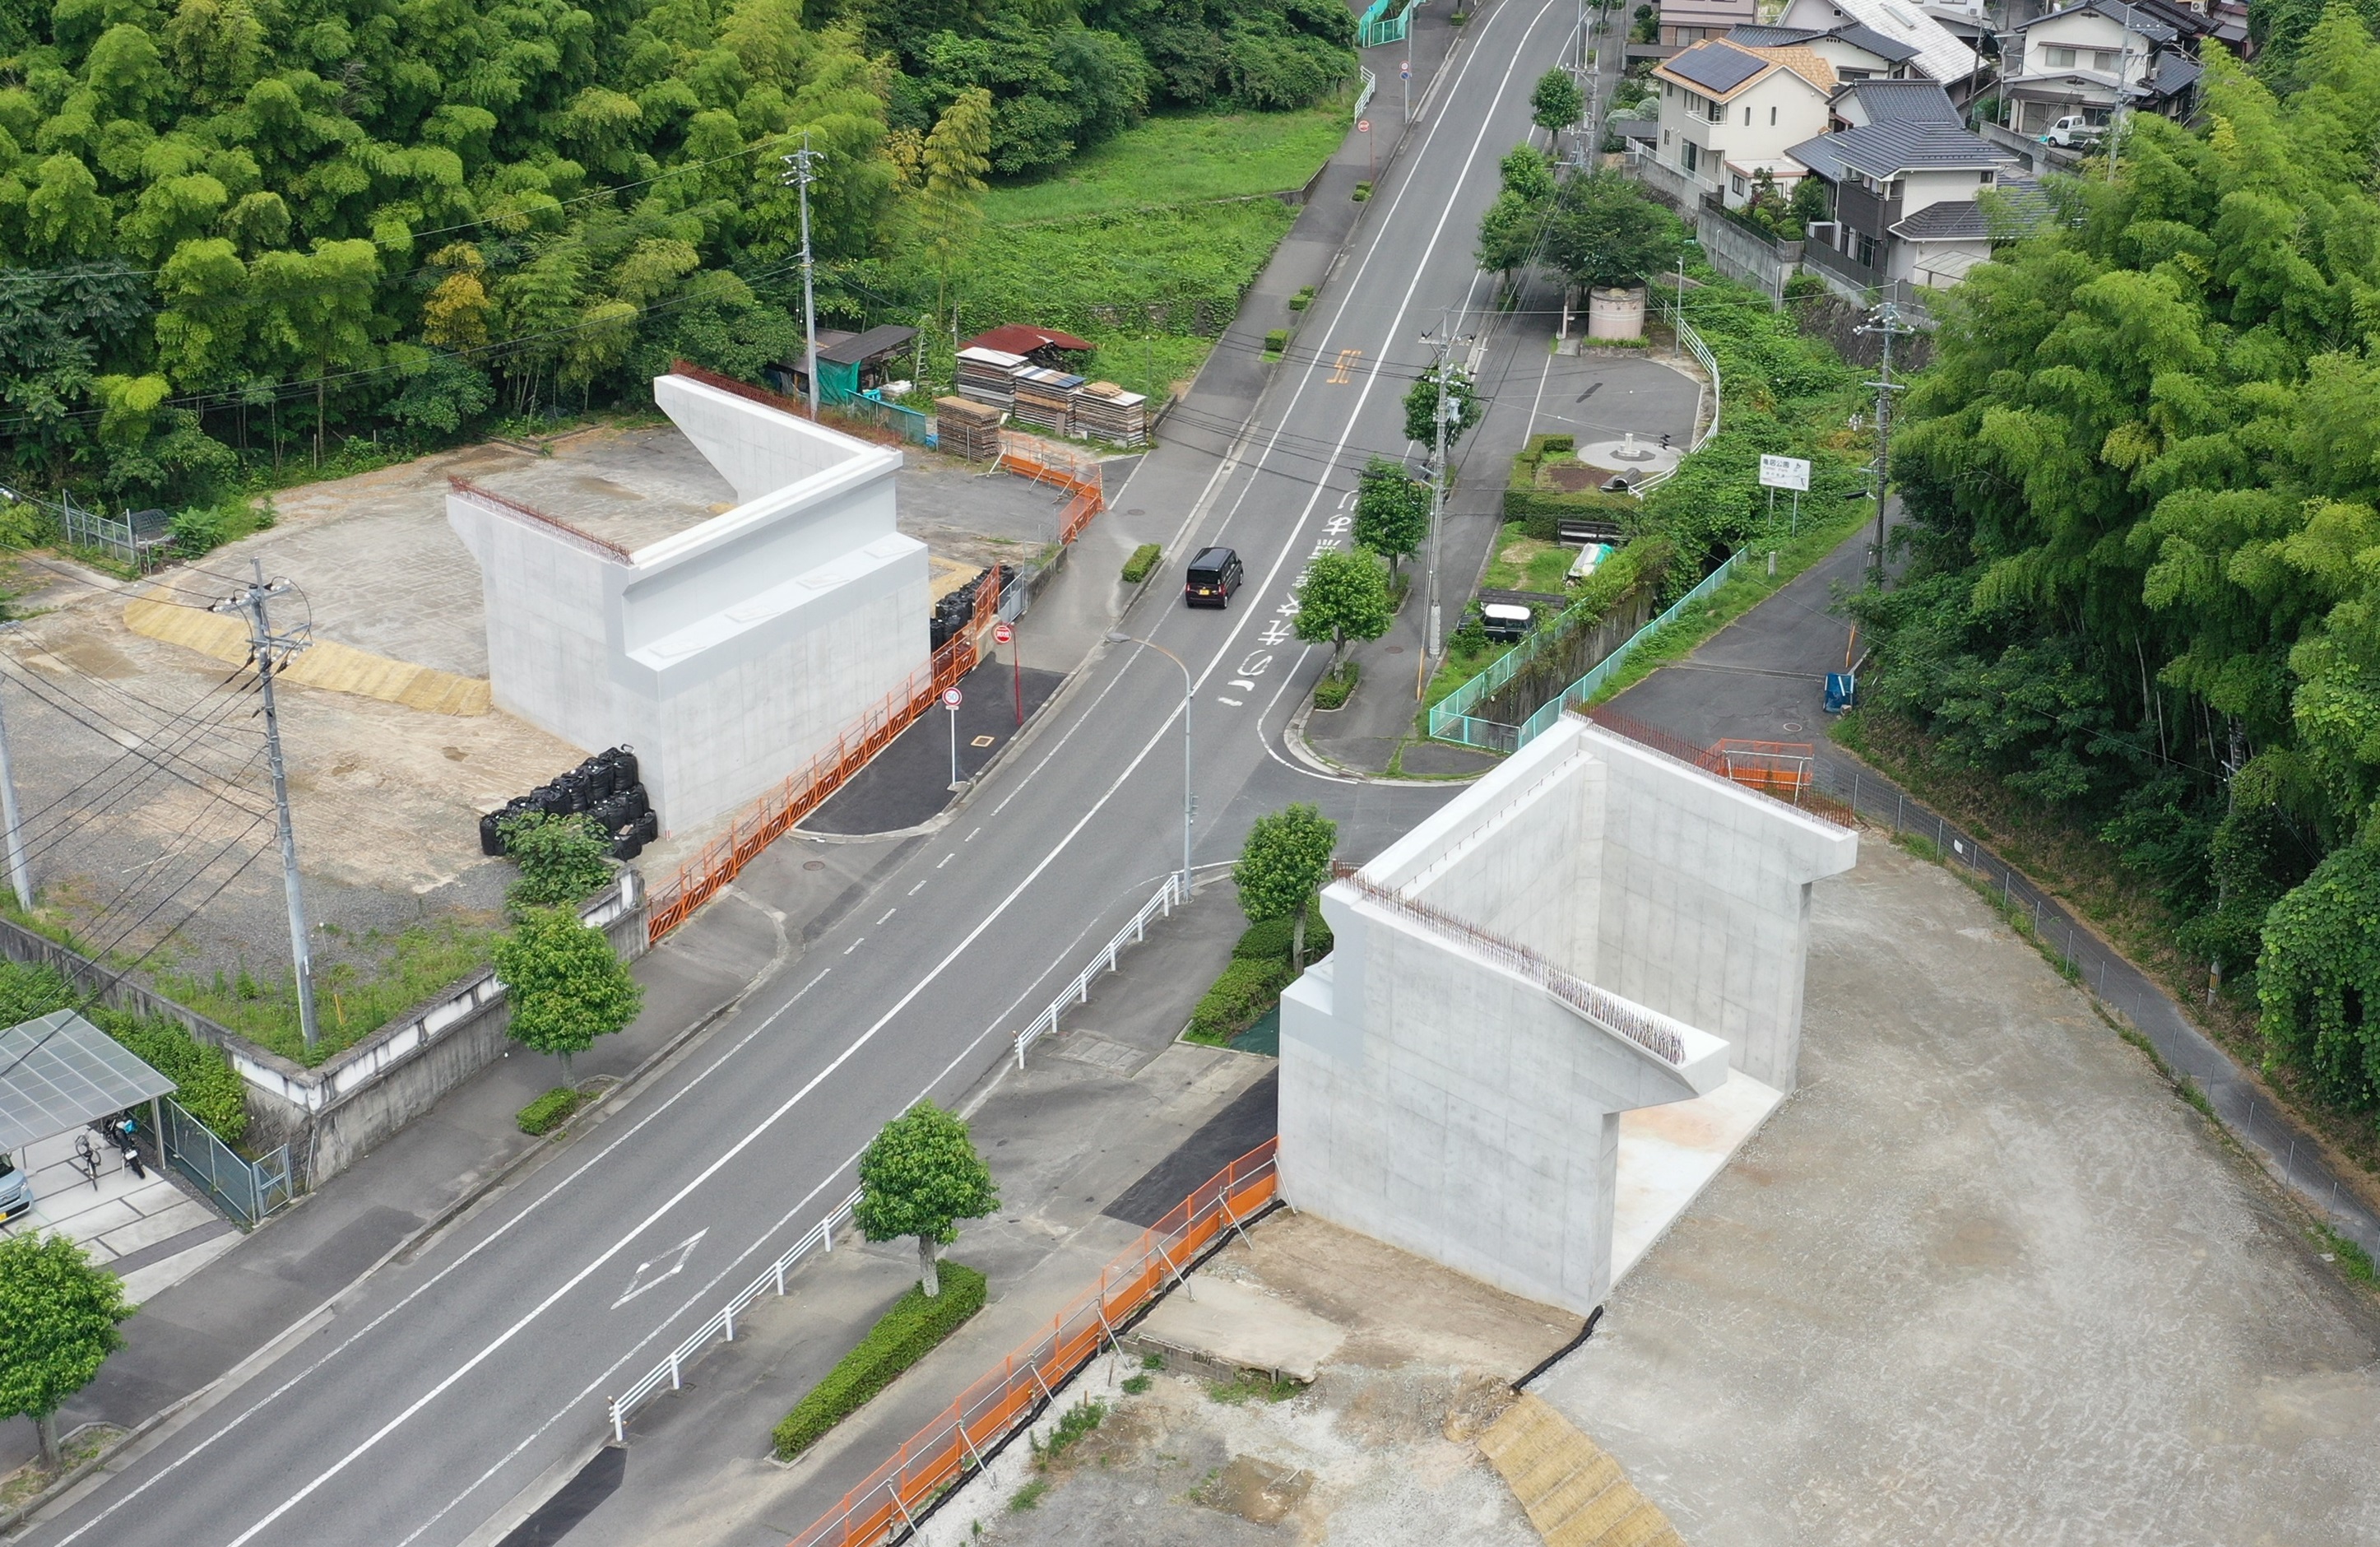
[(1605, 233), (1557, 103), (566, 984), (919, 1176), (1421, 406), (1345, 596), (1391, 511), (1282, 865), (57, 1326), (562, 858)]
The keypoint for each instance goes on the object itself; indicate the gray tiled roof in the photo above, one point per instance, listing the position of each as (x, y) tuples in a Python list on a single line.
[(1950, 220), (1715, 66), (1818, 156), (1762, 35), (1890, 149), (1914, 101), (2139, 18)]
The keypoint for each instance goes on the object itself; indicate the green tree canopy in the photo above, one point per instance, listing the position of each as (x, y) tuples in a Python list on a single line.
[(57, 1326), (563, 859), (920, 1175), (1421, 409), (1556, 102), (1283, 863), (566, 985), (1344, 596), (1606, 232), (1510, 230), (1391, 511)]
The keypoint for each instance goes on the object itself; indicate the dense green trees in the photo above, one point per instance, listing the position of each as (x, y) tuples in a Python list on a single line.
[(244, 227), (2144, 581)]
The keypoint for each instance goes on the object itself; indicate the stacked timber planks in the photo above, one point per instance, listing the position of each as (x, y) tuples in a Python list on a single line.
[(989, 375), (1104, 411), (967, 429), (1045, 398)]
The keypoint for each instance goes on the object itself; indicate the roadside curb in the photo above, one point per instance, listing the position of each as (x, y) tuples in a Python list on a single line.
[(1292, 740)]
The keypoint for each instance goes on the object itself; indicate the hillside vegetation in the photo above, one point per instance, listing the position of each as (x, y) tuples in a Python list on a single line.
[(234, 231), (2142, 480)]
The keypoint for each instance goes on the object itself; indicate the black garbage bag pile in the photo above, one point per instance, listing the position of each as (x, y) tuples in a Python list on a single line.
[(953, 612), (604, 788)]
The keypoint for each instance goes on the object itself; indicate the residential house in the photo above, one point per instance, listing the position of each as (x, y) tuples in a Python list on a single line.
[(1913, 101), (2093, 56), (1729, 112), (1906, 197), (1687, 22), (1858, 53), (1941, 55)]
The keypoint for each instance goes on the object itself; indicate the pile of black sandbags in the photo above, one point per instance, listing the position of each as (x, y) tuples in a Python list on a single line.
[(953, 612), (603, 787)]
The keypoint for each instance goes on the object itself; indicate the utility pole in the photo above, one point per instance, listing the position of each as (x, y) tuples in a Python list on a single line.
[(1435, 645), (2124, 85), (270, 651), (1886, 321), (21, 877), (801, 169)]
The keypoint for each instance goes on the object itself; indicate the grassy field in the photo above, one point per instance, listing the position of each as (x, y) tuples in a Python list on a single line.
[(1180, 159)]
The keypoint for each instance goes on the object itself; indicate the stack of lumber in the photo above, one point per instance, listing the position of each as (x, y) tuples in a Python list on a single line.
[(1104, 411), (989, 375), (1045, 398), (970, 430)]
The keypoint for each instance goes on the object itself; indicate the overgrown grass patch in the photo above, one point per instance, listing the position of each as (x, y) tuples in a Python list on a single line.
[(1180, 159), (353, 998), (903, 1336), (1251, 1385)]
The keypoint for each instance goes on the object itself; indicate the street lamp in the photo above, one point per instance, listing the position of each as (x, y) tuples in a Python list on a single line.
[(1189, 801)]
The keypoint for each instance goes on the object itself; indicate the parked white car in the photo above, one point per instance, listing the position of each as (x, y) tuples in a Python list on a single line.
[(2073, 130)]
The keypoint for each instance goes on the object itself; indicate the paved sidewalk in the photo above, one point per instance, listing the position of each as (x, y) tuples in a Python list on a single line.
[(1106, 1103)]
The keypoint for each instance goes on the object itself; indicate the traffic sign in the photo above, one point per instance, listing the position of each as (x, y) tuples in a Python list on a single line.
[(953, 698), (1002, 633), (1784, 472), (1405, 69), (1363, 125)]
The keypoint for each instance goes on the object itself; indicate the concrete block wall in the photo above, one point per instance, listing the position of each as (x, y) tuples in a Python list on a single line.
[(730, 653), (1454, 1107)]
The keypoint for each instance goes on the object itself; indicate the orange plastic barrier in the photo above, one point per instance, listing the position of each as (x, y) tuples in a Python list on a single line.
[(1007, 1397), (1076, 471), (1784, 770)]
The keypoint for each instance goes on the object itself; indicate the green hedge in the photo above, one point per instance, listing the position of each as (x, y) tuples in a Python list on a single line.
[(1335, 687), (1144, 559), (1270, 940), (208, 1087), (550, 1110), (1239, 998), (908, 1333), (1544, 508)]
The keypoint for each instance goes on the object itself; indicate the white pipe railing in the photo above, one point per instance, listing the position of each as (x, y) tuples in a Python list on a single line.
[(670, 1372), (1080, 991), (1691, 342)]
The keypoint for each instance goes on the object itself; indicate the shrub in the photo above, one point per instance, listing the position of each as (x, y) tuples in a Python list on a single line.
[(207, 1087), (908, 1333), (1303, 300), (1144, 559), (1276, 341), (1270, 940), (1362, 191), (1239, 998), (1337, 685), (563, 859), (550, 1110)]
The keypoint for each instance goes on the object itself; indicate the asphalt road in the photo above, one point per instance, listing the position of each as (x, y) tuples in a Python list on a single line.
[(455, 1379)]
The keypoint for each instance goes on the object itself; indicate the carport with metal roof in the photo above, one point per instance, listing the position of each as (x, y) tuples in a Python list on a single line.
[(60, 1072)]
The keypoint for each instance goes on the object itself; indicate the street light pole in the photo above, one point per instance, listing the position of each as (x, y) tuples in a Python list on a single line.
[(1189, 796)]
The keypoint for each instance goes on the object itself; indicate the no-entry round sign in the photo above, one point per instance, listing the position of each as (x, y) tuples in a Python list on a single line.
[(953, 698), (1363, 125), (1002, 633)]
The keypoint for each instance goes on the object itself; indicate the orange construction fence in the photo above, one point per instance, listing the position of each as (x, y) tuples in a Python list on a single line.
[(767, 819), (1077, 472), (1008, 1397), (1784, 770)]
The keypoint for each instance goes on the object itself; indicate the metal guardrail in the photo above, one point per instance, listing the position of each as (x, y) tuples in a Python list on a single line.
[(1080, 991), (1368, 83), (722, 1327), (892, 1499), (247, 1191), (1650, 1030), (1493, 735)]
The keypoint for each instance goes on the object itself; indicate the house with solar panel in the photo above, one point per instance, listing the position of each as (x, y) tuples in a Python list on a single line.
[(1728, 112)]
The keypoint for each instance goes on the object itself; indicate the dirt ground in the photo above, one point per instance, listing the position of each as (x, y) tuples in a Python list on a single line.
[(132, 842), (1362, 1456)]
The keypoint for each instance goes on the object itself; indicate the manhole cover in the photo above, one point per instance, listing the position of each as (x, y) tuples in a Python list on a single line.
[(1135, 510), (813, 864), (982, 742), (1792, 725), (1396, 649)]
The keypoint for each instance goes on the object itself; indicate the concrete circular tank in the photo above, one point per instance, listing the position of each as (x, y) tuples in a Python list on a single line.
[(1615, 313)]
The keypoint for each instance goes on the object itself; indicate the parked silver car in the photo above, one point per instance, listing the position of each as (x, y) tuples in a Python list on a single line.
[(15, 1190)]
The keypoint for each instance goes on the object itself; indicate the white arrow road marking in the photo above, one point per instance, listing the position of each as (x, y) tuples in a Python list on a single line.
[(675, 1257)]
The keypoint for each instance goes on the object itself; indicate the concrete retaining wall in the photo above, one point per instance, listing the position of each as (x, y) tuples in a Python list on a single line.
[(1748, 256)]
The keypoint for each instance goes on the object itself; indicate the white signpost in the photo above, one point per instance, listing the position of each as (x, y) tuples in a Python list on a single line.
[(1785, 472), (951, 699)]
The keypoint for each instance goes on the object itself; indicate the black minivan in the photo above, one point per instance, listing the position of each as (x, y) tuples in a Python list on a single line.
[(1214, 575)]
